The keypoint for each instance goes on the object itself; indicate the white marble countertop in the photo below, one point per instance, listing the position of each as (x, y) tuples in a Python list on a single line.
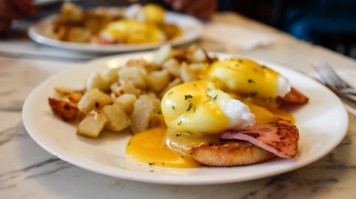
[(28, 171)]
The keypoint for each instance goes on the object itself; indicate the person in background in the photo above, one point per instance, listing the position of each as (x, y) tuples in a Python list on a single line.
[(16, 9)]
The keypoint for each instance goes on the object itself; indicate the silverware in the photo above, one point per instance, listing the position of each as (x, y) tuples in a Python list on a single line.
[(333, 81)]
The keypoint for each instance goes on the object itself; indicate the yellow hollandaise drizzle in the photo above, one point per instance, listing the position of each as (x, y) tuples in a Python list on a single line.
[(149, 147), (263, 115)]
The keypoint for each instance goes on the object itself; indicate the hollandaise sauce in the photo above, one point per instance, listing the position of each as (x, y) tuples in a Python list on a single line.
[(245, 77), (150, 147), (264, 115)]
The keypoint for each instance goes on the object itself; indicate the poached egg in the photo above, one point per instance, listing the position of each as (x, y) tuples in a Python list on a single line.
[(247, 77), (200, 107)]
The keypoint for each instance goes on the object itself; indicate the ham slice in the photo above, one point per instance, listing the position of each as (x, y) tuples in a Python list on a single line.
[(293, 97), (279, 137)]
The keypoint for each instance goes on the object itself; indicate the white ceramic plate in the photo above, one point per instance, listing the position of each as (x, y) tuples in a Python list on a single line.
[(322, 124), (191, 30)]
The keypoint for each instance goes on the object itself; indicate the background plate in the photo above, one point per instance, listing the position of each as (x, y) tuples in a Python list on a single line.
[(191, 30)]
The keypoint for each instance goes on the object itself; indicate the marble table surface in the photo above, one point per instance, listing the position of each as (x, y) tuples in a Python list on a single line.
[(28, 171)]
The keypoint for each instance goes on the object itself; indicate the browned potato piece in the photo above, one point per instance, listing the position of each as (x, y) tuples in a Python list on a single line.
[(117, 118), (158, 80), (71, 95), (92, 124), (162, 54), (172, 66), (95, 80), (127, 100), (67, 111), (93, 99), (143, 111)]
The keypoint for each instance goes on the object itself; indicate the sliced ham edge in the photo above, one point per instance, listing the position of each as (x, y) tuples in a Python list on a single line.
[(256, 137)]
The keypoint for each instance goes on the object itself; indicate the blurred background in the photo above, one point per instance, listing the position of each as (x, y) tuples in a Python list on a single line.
[(329, 23)]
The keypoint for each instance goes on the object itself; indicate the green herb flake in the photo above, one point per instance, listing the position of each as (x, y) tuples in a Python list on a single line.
[(151, 163), (187, 97), (179, 134), (190, 106), (194, 109), (253, 94), (240, 61), (170, 92), (180, 122), (215, 97), (250, 81), (173, 107)]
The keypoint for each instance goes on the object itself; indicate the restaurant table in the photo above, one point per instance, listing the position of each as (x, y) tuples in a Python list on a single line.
[(29, 171)]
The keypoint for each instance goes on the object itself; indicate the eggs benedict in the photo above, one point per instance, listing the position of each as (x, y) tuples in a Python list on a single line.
[(131, 32), (199, 117)]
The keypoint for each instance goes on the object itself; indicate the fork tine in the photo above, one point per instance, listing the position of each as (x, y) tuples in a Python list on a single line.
[(331, 79), (329, 76), (323, 74), (338, 82)]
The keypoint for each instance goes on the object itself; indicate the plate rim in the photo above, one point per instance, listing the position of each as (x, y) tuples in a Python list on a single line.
[(167, 179)]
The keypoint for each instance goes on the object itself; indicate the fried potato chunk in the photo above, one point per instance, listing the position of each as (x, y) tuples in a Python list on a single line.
[(65, 110), (92, 124)]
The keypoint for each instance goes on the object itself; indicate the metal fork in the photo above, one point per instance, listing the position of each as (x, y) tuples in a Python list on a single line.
[(333, 81)]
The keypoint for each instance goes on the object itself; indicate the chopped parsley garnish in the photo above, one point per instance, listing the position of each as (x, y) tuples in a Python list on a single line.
[(215, 97), (187, 97), (178, 134), (253, 94), (190, 106), (173, 107), (170, 92), (180, 122)]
